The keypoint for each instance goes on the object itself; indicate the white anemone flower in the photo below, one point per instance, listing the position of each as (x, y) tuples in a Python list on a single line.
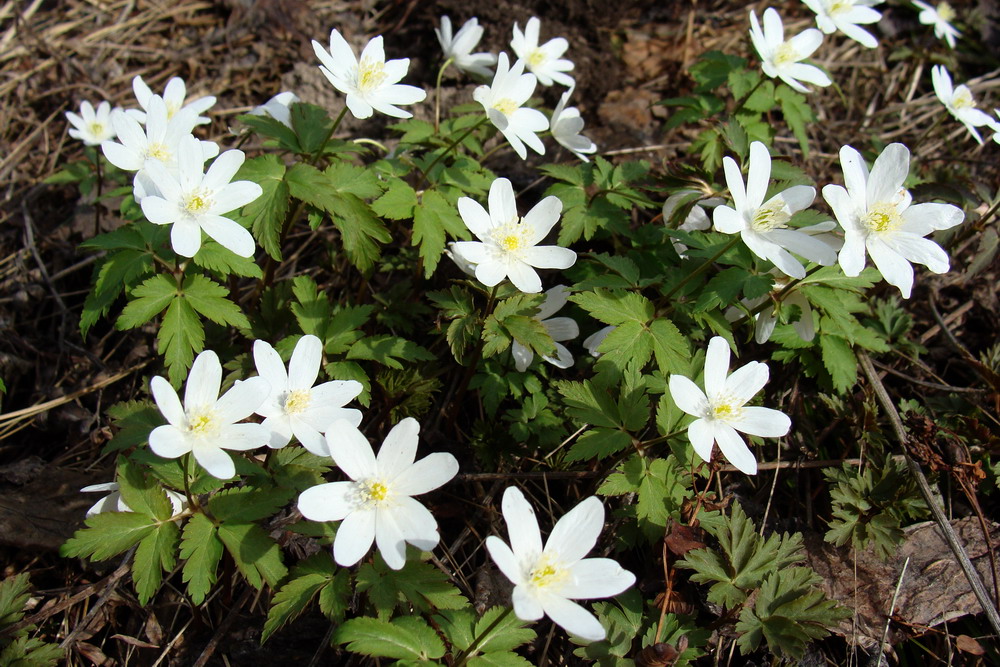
[(940, 17), (697, 219), (780, 57), (206, 424), (174, 96), (543, 61), (295, 406), (508, 244), (90, 126), (377, 505), (113, 502), (722, 410), (193, 200), (547, 578), (876, 214), (566, 125), (369, 84), (458, 48), (959, 102), (560, 328), (766, 319), (763, 226), (278, 107), (592, 342), (846, 16), (503, 100)]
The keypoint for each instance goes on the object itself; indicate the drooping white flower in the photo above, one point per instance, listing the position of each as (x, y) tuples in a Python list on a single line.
[(560, 328), (766, 319), (876, 214), (846, 16), (92, 127), (278, 107), (113, 502), (543, 61), (548, 578), (193, 200), (459, 47), (174, 97), (592, 342), (697, 219), (566, 125), (502, 100), (377, 505), (369, 84), (959, 102), (763, 226), (206, 424), (721, 409), (295, 406), (508, 244), (940, 17), (780, 57)]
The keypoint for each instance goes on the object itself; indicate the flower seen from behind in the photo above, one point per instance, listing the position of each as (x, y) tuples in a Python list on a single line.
[(722, 409), (959, 102), (113, 502), (295, 406), (547, 578), (940, 17), (876, 214), (90, 126), (458, 48), (205, 425), (278, 107), (566, 125), (508, 244), (503, 100), (780, 57), (543, 61), (193, 200), (846, 16), (377, 505), (174, 97), (370, 83), (766, 319), (559, 328), (763, 226)]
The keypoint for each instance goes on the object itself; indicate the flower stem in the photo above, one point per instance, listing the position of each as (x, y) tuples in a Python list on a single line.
[(437, 99), (333, 128), (701, 269), (475, 126), (662, 438), (746, 98), (185, 464), (464, 656)]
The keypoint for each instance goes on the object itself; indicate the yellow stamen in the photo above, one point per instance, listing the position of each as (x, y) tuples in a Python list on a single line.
[(548, 572), (297, 401), (882, 217), (786, 55), (506, 106), (770, 216), (946, 12), (202, 423), (197, 202), (512, 237), (157, 151), (371, 74), (97, 129), (537, 58), (962, 99)]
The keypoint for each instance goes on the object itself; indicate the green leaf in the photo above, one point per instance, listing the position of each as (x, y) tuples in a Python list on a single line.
[(246, 504), (670, 346), (14, 593), (181, 335), (134, 420), (629, 342), (661, 487), (118, 271), (201, 551), (215, 257), (361, 182), (405, 638), (588, 403), (157, 553), (615, 307), (418, 584), (798, 114), (257, 555), (107, 534), (209, 298), (266, 215), (147, 301), (312, 125), (432, 219), (315, 576), (398, 201), (712, 69), (840, 362), (141, 492), (388, 351)]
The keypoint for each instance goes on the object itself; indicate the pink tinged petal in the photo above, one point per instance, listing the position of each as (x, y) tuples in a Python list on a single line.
[(523, 356), (576, 533), (922, 219), (429, 473), (280, 430), (763, 422), (475, 218), (594, 578), (893, 266), (350, 450), (505, 559), (215, 461), (503, 207), (204, 381), (758, 176), (304, 364), (399, 449), (223, 169), (242, 437), (549, 257), (522, 526), (242, 399), (354, 537), (168, 402), (229, 233), (490, 272), (716, 365), (688, 396), (270, 366), (701, 433), (735, 449), (327, 502), (169, 442), (888, 173), (542, 218), (852, 255), (526, 605), (417, 523), (389, 538), (185, 238), (573, 618), (728, 221), (920, 250), (523, 276), (746, 382)]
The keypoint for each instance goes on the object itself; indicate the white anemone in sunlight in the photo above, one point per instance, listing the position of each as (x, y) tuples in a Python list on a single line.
[(846, 16), (175, 98), (780, 57), (566, 126), (278, 107), (503, 101), (544, 61), (959, 102), (90, 126), (940, 17), (560, 328), (459, 47)]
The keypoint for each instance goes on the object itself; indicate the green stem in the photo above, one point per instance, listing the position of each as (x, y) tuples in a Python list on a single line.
[(701, 269), (333, 128), (478, 354), (989, 213), (662, 438), (451, 147), (185, 463), (464, 656), (437, 98), (746, 98), (97, 201)]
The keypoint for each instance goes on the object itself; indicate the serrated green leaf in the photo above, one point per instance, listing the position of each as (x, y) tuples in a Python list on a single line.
[(670, 346), (117, 272), (361, 182), (797, 113), (840, 362), (265, 216), (180, 337), (312, 125), (317, 575), (388, 351), (256, 555), (147, 300), (134, 420), (209, 298), (141, 492), (589, 403), (107, 534), (246, 504), (215, 257), (398, 201), (616, 307), (201, 551), (629, 342), (405, 638), (418, 583), (14, 593), (157, 552)]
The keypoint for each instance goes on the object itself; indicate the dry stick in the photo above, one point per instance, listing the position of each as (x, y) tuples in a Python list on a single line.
[(109, 587), (949, 533), (877, 658), (213, 643)]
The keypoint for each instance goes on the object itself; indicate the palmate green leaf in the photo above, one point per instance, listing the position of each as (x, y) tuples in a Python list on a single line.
[(798, 114), (840, 362), (312, 126), (405, 638), (246, 504), (398, 201), (616, 307), (598, 443), (361, 182), (180, 337), (118, 271), (315, 576), (266, 215), (147, 301), (462, 627), (622, 618), (224, 262), (256, 555), (201, 551), (456, 305), (134, 420), (712, 69), (661, 486), (157, 553), (25, 651), (107, 534), (433, 219), (629, 342), (419, 584), (14, 593), (209, 298), (588, 403), (141, 492), (670, 346), (389, 351)]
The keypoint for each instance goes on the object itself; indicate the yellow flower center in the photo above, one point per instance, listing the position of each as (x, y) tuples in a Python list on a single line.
[(371, 493), (962, 99), (202, 422), (770, 216), (172, 109), (945, 12), (371, 74), (840, 6), (506, 106), (157, 151), (197, 202), (882, 217), (725, 408), (537, 58), (786, 55), (296, 401), (548, 572), (96, 129), (512, 238)]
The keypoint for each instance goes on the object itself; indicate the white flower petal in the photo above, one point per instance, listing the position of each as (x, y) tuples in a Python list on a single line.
[(594, 578), (688, 396), (399, 449), (204, 381), (432, 471), (735, 449), (215, 461), (354, 537), (573, 618), (327, 502), (351, 450), (522, 526), (303, 367), (763, 422), (169, 442), (575, 534)]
